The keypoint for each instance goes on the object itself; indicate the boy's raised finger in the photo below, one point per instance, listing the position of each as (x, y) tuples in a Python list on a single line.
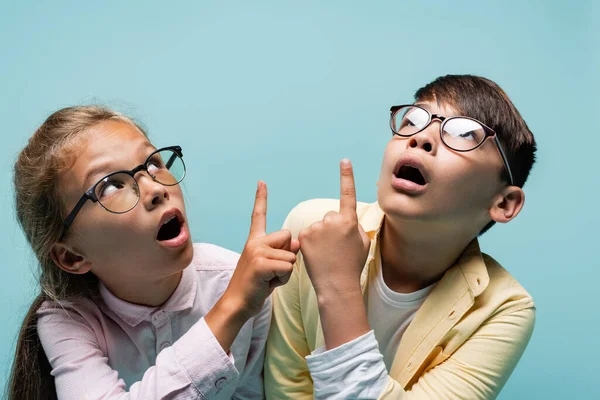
[(347, 189)]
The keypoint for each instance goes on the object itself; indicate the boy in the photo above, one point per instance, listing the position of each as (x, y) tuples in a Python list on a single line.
[(394, 300)]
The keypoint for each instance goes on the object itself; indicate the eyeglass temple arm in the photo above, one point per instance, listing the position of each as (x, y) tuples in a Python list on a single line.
[(73, 214), (503, 155), (171, 160)]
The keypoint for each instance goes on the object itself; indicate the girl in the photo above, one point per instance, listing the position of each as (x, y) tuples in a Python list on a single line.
[(129, 308)]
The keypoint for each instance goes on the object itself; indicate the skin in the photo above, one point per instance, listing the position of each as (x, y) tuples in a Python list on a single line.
[(122, 249), (464, 192)]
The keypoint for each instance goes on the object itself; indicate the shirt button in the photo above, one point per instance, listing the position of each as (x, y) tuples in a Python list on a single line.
[(165, 345), (219, 383), (158, 318)]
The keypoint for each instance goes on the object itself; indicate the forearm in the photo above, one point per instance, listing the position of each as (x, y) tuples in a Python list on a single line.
[(343, 314), (225, 320)]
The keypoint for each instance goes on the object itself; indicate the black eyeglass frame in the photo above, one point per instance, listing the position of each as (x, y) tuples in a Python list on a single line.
[(489, 132), (90, 194)]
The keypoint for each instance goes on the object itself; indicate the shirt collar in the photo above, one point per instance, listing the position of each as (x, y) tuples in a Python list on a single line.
[(182, 299)]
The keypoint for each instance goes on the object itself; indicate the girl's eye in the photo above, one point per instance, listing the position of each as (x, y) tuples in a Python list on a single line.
[(155, 164), (153, 168), (109, 187)]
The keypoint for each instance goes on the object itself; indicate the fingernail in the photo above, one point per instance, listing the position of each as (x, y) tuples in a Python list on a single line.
[(345, 161)]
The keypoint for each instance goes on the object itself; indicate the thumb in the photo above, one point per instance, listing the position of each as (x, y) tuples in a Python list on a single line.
[(279, 240), (294, 246)]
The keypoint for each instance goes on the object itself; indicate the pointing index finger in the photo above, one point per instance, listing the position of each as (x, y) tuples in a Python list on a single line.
[(258, 226), (347, 189)]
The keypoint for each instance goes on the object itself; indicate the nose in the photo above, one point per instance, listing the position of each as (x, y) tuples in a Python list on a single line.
[(152, 193), (426, 139)]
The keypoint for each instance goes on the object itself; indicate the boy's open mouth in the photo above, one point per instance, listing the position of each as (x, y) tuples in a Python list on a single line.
[(411, 174)]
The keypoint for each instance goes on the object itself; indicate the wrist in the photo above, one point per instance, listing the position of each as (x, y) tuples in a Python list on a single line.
[(233, 309), (343, 318), (225, 320), (338, 291)]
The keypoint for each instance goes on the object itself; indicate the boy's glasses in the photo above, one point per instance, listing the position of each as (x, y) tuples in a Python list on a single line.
[(118, 192), (458, 133)]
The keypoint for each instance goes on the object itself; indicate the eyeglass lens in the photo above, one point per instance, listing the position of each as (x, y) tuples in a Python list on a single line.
[(458, 133), (119, 192)]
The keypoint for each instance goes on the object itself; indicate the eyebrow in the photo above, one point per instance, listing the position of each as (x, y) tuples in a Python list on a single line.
[(96, 170)]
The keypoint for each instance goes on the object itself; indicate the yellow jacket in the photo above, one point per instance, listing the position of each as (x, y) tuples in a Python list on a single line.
[(463, 343)]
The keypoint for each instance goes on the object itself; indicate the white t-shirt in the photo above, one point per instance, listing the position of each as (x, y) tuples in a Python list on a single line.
[(390, 313)]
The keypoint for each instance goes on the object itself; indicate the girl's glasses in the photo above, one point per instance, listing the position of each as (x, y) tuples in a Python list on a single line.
[(118, 192)]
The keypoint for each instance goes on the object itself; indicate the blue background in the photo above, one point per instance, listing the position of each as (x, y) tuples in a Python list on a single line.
[(281, 91)]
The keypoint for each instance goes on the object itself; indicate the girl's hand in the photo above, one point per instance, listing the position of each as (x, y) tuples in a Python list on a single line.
[(266, 262)]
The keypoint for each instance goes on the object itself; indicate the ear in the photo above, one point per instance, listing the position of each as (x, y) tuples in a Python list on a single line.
[(507, 204), (69, 260)]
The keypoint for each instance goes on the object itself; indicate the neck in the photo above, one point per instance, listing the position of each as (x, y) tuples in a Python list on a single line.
[(414, 256), (146, 293)]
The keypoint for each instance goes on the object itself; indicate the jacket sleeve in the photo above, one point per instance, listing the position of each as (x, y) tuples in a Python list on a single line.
[(477, 370), (286, 371)]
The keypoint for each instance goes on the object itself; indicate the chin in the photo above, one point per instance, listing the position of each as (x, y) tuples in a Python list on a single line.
[(188, 253), (408, 208), (395, 203), (176, 261)]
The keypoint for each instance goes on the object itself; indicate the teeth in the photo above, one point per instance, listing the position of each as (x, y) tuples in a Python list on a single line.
[(169, 220)]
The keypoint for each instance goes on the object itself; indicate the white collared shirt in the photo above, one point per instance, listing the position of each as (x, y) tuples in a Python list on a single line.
[(113, 349)]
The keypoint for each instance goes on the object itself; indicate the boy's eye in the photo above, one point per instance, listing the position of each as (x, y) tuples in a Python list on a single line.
[(407, 122), (468, 135), (463, 129)]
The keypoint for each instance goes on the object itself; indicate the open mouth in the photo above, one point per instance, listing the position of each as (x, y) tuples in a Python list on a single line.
[(411, 174), (170, 229)]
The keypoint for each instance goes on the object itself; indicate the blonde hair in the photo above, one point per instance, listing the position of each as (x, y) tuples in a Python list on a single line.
[(41, 211)]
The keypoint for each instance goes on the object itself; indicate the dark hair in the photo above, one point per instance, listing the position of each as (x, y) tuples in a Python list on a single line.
[(30, 376), (40, 211), (482, 99)]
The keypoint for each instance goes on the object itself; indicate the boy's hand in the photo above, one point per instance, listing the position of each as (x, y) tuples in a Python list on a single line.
[(266, 261), (336, 248)]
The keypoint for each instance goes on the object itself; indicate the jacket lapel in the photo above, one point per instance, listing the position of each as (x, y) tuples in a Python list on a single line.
[(452, 297)]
